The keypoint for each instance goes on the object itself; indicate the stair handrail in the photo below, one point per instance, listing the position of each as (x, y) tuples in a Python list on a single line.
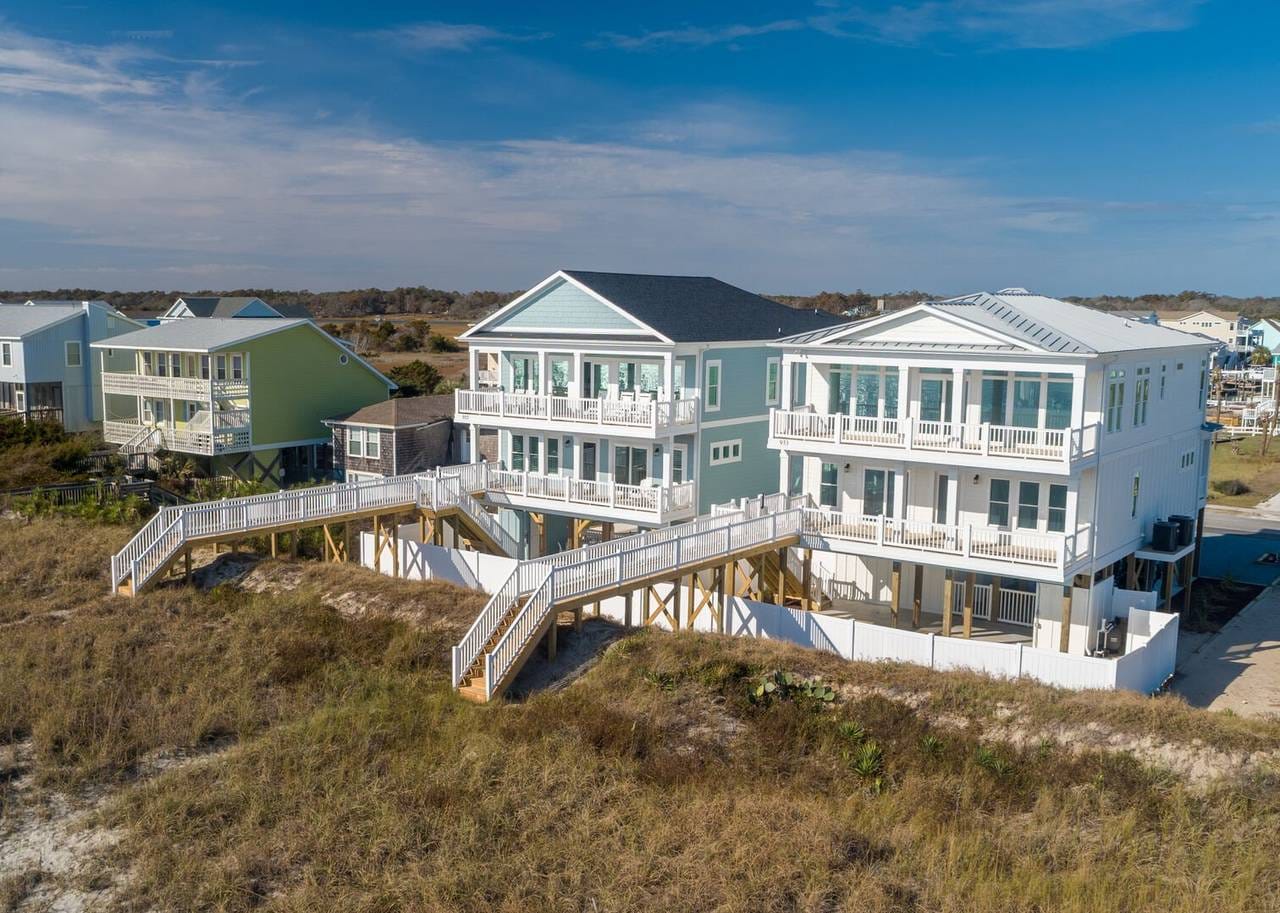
[(122, 560), (646, 551), (149, 572)]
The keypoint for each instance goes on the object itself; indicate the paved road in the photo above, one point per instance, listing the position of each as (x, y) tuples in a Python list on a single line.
[(1239, 669), (1240, 520)]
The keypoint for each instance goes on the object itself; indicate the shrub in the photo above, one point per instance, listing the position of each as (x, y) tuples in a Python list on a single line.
[(438, 343), (1230, 487), (417, 378)]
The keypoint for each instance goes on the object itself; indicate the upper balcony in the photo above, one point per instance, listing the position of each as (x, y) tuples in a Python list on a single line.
[(202, 389), (1052, 450), (654, 504), (637, 416)]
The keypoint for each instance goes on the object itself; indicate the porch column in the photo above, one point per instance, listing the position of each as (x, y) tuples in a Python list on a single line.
[(668, 377), (473, 382), (947, 595), (904, 394), (957, 395), (576, 385), (473, 432), (544, 382)]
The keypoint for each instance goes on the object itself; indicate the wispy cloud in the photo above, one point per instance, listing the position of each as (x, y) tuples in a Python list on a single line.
[(30, 66), (446, 36), (1001, 23), (698, 36)]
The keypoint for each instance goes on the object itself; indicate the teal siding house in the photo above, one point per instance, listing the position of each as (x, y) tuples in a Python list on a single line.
[(621, 401)]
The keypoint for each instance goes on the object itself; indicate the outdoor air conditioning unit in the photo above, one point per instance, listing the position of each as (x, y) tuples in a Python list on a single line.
[(1164, 536), (1186, 529)]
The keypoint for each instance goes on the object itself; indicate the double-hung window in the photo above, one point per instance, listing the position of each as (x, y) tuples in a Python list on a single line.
[(6, 354), (711, 398), (162, 364), (175, 364), (73, 353), (1028, 504), (1141, 393), (204, 367), (535, 453), (237, 367), (877, 493), (355, 442), (517, 452), (553, 456), (220, 365), (998, 504), (1115, 399), (1057, 508), (829, 486), (772, 381), (373, 444)]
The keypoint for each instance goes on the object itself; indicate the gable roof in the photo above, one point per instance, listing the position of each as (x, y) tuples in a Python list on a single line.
[(682, 308), (207, 335), (231, 306), (1019, 321), (1229, 316), (400, 412), (18, 320)]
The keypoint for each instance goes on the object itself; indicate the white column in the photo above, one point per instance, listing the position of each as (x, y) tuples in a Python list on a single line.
[(957, 395), (960, 476), (904, 393), (1077, 396), (668, 377), (577, 383), (473, 381), (473, 452), (900, 493), (784, 388), (544, 382)]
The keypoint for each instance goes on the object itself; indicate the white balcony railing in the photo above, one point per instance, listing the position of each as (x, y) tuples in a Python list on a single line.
[(193, 388), (1052, 550), (637, 413), (658, 503), (1017, 607), (1049, 444), (233, 435)]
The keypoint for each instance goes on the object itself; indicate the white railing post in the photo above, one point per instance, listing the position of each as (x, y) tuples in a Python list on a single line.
[(908, 439), (967, 540), (986, 438), (880, 530), (502, 402), (619, 574)]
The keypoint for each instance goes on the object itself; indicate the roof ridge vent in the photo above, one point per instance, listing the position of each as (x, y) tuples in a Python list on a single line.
[(1013, 291)]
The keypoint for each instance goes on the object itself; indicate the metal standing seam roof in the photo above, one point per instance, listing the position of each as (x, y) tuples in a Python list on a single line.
[(1040, 322)]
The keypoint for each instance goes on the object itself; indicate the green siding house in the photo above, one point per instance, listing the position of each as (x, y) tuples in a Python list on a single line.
[(246, 396)]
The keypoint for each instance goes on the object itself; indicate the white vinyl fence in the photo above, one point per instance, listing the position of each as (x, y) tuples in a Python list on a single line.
[(1147, 664)]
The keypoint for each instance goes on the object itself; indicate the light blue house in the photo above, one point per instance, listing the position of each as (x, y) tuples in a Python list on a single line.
[(1266, 332), (45, 365), (617, 399)]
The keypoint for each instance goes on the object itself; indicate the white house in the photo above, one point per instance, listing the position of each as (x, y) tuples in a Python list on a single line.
[(1238, 334), (1006, 454), (619, 398)]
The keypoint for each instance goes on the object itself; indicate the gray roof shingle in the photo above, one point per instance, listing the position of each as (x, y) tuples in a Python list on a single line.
[(700, 308)]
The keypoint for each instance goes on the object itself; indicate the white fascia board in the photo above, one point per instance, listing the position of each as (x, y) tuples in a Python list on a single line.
[(562, 344), (562, 276)]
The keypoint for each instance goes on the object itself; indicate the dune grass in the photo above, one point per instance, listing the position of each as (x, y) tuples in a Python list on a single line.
[(356, 780)]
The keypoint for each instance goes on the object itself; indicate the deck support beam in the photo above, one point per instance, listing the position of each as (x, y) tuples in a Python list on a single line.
[(948, 597), (806, 582), (917, 595), (1064, 636), (1188, 574), (970, 585), (895, 591)]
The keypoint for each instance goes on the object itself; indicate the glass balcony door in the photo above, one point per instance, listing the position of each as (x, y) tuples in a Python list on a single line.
[(630, 465)]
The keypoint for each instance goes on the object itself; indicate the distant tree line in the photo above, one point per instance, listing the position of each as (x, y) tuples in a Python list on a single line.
[(432, 302)]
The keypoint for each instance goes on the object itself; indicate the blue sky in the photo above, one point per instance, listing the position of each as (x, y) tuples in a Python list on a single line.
[(1070, 146)]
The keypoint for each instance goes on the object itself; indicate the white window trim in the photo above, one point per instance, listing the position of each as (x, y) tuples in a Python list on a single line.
[(775, 365), (729, 452), (6, 354), (372, 438), (706, 385), (355, 436)]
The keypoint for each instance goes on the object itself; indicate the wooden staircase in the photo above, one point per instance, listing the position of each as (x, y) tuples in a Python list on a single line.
[(792, 586), (473, 682)]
